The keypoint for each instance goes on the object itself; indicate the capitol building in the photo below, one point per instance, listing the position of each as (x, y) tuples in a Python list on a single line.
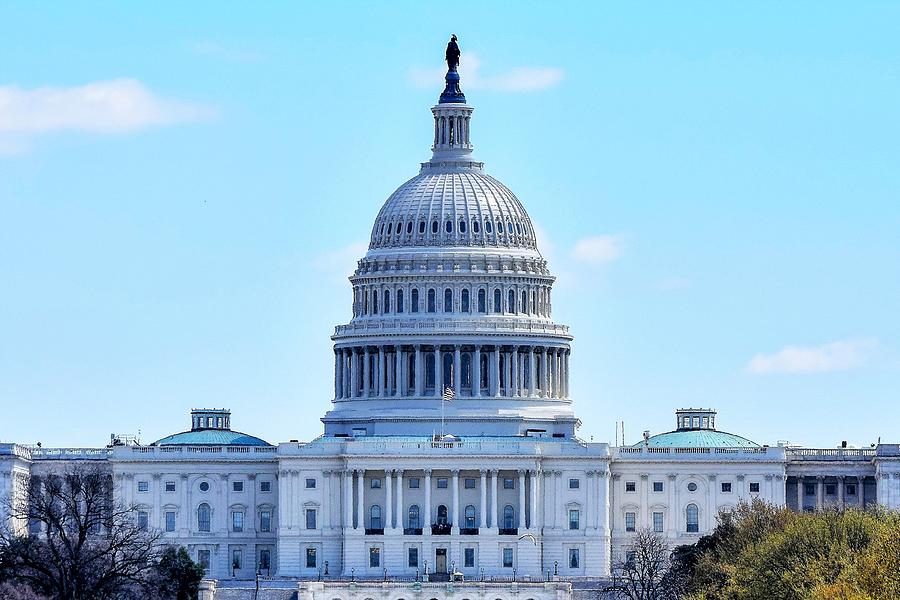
[(451, 444)]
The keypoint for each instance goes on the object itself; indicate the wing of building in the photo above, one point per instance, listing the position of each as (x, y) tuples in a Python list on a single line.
[(451, 443)]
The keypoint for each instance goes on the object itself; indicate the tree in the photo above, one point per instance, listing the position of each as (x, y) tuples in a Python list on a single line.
[(643, 573), (83, 545), (9, 591), (177, 576)]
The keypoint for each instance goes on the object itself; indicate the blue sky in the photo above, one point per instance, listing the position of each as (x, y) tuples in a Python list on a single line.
[(184, 188)]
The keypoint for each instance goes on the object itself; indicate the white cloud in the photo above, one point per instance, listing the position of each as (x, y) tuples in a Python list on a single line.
[(598, 249), (216, 50), (516, 79), (107, 107), (835, 356)]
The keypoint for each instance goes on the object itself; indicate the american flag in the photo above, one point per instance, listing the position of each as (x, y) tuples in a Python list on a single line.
[(448, 394)]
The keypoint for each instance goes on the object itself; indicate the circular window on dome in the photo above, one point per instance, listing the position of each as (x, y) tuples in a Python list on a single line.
[(421, 226), (409, 227), (692, 487), (462, 226), (204, 486), (434, 227), (488, 227), (476, 227), (448, 226)]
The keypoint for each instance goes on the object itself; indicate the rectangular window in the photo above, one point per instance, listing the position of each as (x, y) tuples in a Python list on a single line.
[(469, 557), (143, 520), (264, 559), (203, 559), (630, 557), (754, 487), (170, 520), (658, 522), (657, 486), (143, 486), (509, 483), (237, 521), (469, 483), (412, 557), (265, 486), (442, 483), (310, 518), (170, 486), (830, 489), (629, 521), (726, 487), (630, 486), (851, 489), (310, 558), (574, 517), (574, 558), (375, 483), (237, 486), (374, 557), (508, 558), (574, 484), (809, 489), (413, 483), (237, 558), (310, 483), (265, 521)]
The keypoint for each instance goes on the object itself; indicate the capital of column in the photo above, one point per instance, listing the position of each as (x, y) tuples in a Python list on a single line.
[(818, 477), (157, 476), (671, 476), (712, 477), (740, 477), (427, 472), (590, 474), (645, 476), (454, 472), (483, 472), (769, 477)]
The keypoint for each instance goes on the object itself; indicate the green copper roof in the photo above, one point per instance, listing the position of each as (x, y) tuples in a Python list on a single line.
[(699, 438), (211, 437)]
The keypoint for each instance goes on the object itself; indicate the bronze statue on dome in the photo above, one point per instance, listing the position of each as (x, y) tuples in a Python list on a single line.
[(452, 54)]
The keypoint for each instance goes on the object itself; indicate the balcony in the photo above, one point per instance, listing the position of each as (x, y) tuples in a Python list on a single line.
[(468, 531), (412, 531), (441, 529), (508, 531), (376, 531)]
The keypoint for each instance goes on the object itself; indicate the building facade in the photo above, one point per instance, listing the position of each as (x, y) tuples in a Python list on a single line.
[(451, 444)]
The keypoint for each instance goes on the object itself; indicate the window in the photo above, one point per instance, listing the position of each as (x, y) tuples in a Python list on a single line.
[(658, 522), (310, 483), (482, 301), (264, 559), (170, 486), (851, 489), (754, 487), (143, 520), (508, 558), (204, 486), (374, 302), (265, 520), (442, 483), (692, 514), (488, 227), (469, 483), (414, 301), (497, 298), (413, 483), (629, 521), (630, 486), (469, 557), (375, 483), (442, 515), (310, 518), (413, 521), (237, 557), (476, 227), (574, 558), (462, 226), (574, 517), (809, 489), (830, 489), (692, 487), (310, 558), (574, 484), (630, 557), (203, 559), (237, 486), (374, 557), (265, 486), (387, 301), (399, 301), (470, 517), (726, 487), (237, 521), (511, 301), (421, 226), (412, 557), (203, 517), (431, 301), (448, 226), (143, 486), (509, 483), (657, 486), (170, 520), (509, 517), (448, 300), (375, 517)]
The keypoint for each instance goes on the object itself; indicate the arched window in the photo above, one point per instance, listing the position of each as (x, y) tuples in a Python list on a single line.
[(448, 300), (509, 517), (410, 373), (399, 229), (374, 302), (509, 227), (442, 515), (399, 301), (434, 227), (464, 301), (365, 294), (482, 301), (476, 228), (524, 302), (693, 518), (431, 301), (421, 226), (414, 300), (484, 383), (412, 520), (511, 301), (499, 227), (409, 227), (203, 517), (448, 369), (387, 301), (466, 379), (462, 226), (470, 517), (429, 370), (375, 517), (497, 301), (448, 226), (488, 227), (390, 228)]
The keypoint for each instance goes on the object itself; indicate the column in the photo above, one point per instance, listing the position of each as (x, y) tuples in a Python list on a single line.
[(482, 506), (354, 372), (400, 512), (645, 500), (348, 499), (602, 521), (557, 499), (521, 511), (457, 370), (427, 517), (326, 503), (345, 373), (534, 512), (545, 377), (476, 370), (360, 519), (589, 500), (565, 385), (531, 364), (674, 509), (820, 492), (380, 370), (799, 493), (420, 372), (454, 515), (398, 371), (389, 374), (404, 372), (514, 376), (860, 498), (495, 376), (711, 503), (366, 373), (493, 519), (388, 501), (338, 392), (840, 491), (438, 373)]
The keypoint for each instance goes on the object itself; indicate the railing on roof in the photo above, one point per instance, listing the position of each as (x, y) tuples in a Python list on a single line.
[(70, 453), (402, 445), (190, 452), (831, 453), (443, 325), (686, 453)]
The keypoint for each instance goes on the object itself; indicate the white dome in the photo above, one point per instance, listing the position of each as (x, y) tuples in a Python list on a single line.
[(453, 207)]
